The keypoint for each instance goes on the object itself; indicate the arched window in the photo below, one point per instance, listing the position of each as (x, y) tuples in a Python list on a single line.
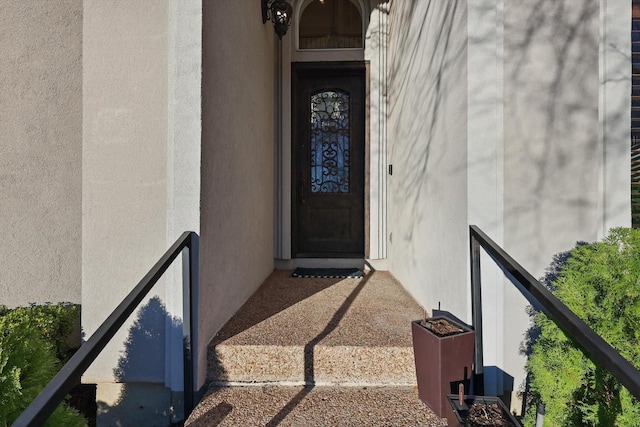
[(330, 24)]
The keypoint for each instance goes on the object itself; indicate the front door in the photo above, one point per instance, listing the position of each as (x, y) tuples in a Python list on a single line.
[(328, 150)]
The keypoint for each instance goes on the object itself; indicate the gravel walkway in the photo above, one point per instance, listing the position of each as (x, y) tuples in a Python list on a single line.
[(319, 406)]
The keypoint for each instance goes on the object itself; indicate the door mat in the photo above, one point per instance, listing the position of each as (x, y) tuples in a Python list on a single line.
[(327, 273)]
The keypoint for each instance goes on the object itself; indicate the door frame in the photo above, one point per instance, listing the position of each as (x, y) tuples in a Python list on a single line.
[(334, 67)]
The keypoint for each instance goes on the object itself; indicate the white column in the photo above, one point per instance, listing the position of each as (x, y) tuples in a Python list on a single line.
[(485, 167), (615, 114), (183, 162)]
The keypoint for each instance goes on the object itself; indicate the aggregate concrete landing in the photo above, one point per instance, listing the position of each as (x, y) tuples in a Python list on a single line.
[(319, 406), (348, 340), (319, 332)]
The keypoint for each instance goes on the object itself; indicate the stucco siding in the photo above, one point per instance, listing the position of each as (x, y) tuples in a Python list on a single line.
[(141, 190), (551, 155), (124, 162), (551, 103), (427, 110), (555, 139), (40, 151), (237, 159)]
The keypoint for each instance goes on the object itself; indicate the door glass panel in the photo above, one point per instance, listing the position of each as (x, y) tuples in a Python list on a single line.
[(330, 142)]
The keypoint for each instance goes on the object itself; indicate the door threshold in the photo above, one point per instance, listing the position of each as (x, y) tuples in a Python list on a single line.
[(292, 264)]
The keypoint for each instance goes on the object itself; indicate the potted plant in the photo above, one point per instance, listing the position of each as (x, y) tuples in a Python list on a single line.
[(443, 352), (471, 411)]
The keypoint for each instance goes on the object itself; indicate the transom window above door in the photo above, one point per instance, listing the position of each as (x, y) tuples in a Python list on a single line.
[(330, 24)]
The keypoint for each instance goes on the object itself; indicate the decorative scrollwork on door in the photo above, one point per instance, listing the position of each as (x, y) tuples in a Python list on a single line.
[(330, 142)]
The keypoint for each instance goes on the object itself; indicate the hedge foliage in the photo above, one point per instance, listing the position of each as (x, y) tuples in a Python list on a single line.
[(33, 345), (600, 282)]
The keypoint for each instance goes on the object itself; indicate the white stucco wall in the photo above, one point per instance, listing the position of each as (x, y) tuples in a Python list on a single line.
[(551, 127), (124, 157), (427, 196), (183, 161), (40, 151), (141, 186), (532, 145), (237, 246), (375, 53), (548, 146), (560, 157), (614, 114), (486, 168)]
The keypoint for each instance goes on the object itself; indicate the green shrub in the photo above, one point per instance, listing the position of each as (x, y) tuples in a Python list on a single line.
[(54, 321), (30, 337), (600, 282)]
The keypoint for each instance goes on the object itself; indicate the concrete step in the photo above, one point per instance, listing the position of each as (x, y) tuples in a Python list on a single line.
[(317, 406), (296, 331)]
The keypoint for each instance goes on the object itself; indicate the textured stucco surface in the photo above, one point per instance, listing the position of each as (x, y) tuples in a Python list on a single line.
[(125, 109), (566, 124), (141, 170), (40, 151), (376, 54), (486, 165), (237, 196), (427, 95), (561, 157), (534, 149), (551, 127)]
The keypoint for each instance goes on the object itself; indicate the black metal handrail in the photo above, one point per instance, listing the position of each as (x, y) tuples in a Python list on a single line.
[(50, 397), (596, 347)]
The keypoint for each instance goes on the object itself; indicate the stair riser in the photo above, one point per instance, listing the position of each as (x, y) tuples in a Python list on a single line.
[(249, 363), (345, 365)]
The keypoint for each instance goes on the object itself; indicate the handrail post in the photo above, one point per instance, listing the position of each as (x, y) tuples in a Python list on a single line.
[(476, 314), (53, 393), (190, 273), (538, 295)]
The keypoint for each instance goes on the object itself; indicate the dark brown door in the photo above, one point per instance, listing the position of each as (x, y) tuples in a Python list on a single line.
[(328, 124)]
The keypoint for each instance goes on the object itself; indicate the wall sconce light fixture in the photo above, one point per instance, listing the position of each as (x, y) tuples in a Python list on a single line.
[(279, 11)]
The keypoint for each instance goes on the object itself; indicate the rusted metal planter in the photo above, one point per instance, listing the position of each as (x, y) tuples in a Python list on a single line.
[(442, 363), (458, 414)]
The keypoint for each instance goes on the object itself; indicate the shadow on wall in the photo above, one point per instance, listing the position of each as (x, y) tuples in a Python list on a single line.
[(140, 397), (551, 274), (507, 383), (550, 109), (531, 335), (425, 81), (552, 115)]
